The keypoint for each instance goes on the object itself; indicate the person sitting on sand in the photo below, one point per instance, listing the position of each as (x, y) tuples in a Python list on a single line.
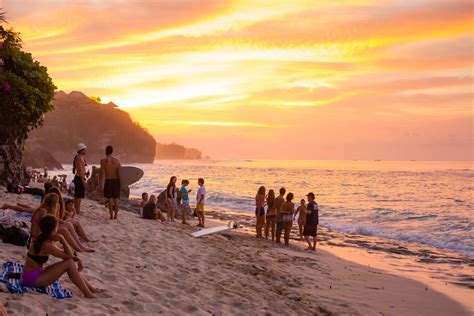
[(71, 226), (79, 170), (150, 211), (278, 218), (200, 201), (50, 205), (301, 210), (270, 216), (260, 210), (171, 203), (287, 210), (69, 218), (143, 202), (34, 275), (109, 167), (184, 194), (312, 222)]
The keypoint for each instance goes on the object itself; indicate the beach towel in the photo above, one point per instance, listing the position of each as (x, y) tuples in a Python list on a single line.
[(14, 286), (23, 215)]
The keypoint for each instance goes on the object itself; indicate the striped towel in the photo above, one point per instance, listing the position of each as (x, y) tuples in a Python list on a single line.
[(14, 285), (23, 215)]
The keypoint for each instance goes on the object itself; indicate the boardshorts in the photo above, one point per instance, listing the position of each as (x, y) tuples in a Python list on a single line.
[(79, 189), (112, 189)]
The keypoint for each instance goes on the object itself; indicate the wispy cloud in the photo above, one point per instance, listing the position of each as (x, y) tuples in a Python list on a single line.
[(264, 68)]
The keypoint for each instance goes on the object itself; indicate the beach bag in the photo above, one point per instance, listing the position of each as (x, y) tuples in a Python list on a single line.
[(16, 236), (12, 188)]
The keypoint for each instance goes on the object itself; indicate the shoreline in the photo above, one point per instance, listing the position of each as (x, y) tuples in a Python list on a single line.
[(148, 267)]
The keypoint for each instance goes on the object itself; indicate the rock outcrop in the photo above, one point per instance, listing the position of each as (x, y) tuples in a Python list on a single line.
[(39, 158)]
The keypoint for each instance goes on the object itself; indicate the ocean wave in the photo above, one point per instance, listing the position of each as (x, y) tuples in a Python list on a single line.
[(452, 243)]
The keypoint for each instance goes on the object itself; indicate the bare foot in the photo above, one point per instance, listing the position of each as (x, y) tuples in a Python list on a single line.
[(97, 291), (90, 296), (86, 249)]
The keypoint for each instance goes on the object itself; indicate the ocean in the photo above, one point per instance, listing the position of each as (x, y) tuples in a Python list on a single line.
[(424, 202), (411, 201)]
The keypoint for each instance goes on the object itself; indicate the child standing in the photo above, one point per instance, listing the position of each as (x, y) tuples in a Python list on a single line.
[(200, 201), (301, 210), (184, 194)]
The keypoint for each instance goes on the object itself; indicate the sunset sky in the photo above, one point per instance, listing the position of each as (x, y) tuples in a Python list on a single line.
[(355, 79)]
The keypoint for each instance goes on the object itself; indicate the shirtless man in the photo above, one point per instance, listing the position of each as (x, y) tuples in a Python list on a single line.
[(109, 167), (79, 170)]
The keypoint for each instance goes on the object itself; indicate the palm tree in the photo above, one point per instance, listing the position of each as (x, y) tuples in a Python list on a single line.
[(3, 17)]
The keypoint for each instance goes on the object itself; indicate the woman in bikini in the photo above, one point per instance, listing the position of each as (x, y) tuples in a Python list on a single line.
[(34, 275), (271, 214), (171, 203), (50, 206), (287, 210), (260, 210), (73, 226)]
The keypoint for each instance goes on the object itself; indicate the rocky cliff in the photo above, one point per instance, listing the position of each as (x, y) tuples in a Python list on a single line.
[(175, 151), (79, 119)]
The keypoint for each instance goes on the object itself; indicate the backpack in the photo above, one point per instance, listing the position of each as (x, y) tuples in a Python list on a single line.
[(16, 236)]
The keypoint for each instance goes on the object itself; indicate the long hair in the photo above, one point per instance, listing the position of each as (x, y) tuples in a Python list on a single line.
[(271, 199), (289, 197), (261, 191), (171, 180), (47, 226), (171, 185), (50, 202), (62, 206)]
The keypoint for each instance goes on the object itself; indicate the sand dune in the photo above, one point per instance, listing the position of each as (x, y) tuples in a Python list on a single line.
[(148, 268)]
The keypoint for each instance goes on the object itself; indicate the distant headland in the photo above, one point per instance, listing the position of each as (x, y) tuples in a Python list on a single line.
[(77, 118)]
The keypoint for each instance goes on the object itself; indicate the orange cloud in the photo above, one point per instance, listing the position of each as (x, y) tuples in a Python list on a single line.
[(234, 76)]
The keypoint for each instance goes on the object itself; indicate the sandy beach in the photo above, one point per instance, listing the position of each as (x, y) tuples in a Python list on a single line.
[(147, 267)]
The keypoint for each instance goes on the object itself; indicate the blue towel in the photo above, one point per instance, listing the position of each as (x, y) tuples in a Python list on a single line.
[(25, 215), (14, 285)]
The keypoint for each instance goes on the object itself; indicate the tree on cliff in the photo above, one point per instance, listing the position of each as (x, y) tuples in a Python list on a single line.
[(26, 92)]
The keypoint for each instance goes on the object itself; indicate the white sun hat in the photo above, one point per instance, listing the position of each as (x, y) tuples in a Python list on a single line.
[(80, 147)]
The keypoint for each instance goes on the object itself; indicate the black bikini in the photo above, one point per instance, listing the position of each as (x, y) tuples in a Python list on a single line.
[(38, 259)]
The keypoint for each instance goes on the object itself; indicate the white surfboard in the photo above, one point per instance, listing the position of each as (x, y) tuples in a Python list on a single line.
[(213, 230), (129, 175)]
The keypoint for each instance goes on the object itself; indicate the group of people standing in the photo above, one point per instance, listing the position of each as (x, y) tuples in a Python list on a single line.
[(280, 213), (175, 199)]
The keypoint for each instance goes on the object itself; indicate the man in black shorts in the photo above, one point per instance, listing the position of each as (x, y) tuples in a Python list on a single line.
[(79, 170), (312, 222), (109, 167)]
